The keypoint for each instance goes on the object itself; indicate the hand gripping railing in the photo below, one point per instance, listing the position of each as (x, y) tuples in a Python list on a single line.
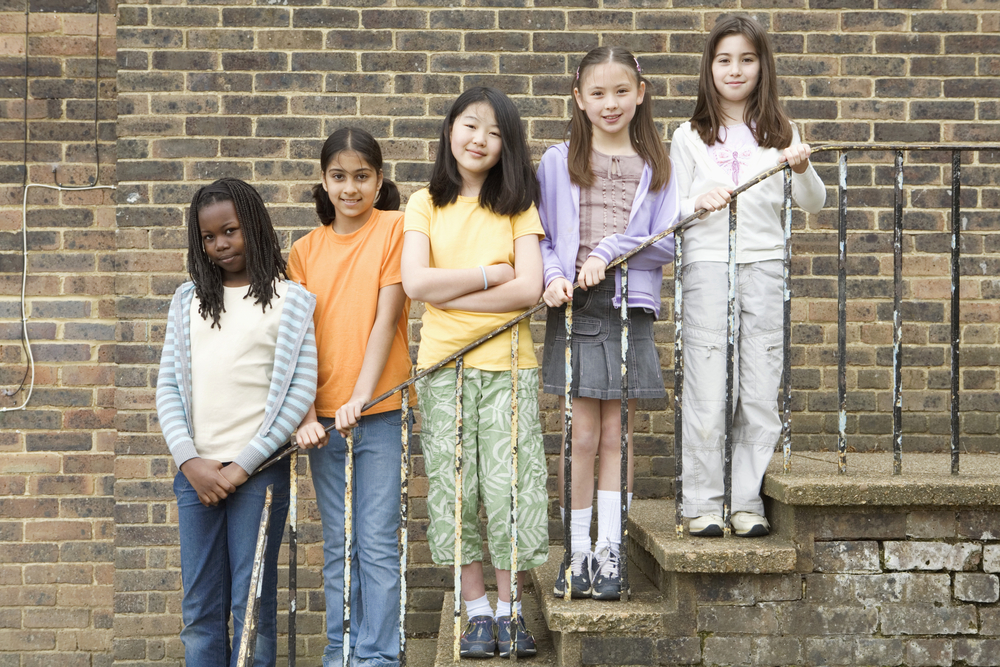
[(785, 438)]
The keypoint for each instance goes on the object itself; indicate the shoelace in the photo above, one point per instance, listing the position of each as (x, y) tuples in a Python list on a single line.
[(609, 566), (576, 563)]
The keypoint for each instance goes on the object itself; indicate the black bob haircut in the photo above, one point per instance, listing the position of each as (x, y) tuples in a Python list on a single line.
[(511, 186), (260, 246)]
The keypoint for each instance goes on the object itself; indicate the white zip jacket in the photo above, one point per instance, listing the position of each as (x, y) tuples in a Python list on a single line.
[(759, 235)]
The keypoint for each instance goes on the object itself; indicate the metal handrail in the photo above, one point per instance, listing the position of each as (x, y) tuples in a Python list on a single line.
[(622, 261)]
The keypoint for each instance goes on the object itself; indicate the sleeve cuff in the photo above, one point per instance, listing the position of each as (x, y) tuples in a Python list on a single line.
[(249, 459), (183, 451)]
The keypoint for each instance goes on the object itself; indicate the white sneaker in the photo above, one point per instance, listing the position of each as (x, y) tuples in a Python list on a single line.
[(706, 525), (749, 524)]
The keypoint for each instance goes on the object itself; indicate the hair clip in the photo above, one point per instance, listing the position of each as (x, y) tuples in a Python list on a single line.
[(638, 69)]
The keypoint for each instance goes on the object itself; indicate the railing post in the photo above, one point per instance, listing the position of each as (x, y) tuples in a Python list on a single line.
[(456, 649), (293, 551), (513, 491), (248, 638), (678, 386), (404, 496), (956, 291), (897, 320), (568, 456), (786, 291), (624, 461), (348, 541), (842, 314), (727, 463)]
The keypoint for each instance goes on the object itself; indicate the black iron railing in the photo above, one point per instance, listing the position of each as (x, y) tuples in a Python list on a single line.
[(621, 262)]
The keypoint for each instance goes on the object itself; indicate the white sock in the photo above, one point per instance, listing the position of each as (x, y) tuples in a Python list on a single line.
[(562, 514), (503, 608), (580, 529), (609, 519), (480, 607)]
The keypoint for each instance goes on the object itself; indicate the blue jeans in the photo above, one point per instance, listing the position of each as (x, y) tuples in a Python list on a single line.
[(217, 550), (374, 551)]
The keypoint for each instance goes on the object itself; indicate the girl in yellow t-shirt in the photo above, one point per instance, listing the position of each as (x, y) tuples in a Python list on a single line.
[(471, 253), (351, 263)]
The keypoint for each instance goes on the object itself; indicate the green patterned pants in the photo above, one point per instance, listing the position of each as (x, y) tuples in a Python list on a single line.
[(486, 469)]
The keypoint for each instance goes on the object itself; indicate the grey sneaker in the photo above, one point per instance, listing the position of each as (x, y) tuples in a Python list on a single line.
[(607, 581), (749, 524), (479, 639), (581, 563)]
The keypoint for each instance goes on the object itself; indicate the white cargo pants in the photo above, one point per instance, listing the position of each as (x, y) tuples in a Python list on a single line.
[(758, 367)]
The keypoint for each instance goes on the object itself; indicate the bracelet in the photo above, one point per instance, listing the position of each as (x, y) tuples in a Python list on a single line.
[(486, 284)]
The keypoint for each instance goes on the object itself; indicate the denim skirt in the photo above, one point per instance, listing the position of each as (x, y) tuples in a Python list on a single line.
[(597, 349)]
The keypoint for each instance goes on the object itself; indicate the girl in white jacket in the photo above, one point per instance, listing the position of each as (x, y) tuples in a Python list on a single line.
[(737, 131)]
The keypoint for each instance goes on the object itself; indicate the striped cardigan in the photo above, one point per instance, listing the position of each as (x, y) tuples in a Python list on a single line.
[(293, 378)]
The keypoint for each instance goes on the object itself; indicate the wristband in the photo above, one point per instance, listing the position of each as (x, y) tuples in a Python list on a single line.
[(486, 284)]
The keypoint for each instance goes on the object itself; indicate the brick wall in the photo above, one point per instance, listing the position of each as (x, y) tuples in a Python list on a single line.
[(247, 90)]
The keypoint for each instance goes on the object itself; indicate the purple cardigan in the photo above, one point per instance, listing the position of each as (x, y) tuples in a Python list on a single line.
[(652, 213)]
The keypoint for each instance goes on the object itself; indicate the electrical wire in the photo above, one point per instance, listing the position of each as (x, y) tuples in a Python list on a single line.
[(29, 369)]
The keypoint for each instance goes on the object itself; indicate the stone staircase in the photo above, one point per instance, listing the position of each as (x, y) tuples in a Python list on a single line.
[(657, 624), (864, 568)]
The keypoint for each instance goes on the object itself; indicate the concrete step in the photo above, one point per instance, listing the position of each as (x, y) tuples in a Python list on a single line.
[(576, 624), (651, 528), (533, 619)]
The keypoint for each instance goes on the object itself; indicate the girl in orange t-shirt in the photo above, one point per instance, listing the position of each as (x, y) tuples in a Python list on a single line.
[(352, 264)]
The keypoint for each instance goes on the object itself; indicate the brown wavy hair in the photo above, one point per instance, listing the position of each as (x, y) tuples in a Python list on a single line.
[(763, 113), (646, 141)]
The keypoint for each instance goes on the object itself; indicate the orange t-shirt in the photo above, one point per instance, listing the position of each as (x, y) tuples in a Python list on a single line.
[(346, 272)]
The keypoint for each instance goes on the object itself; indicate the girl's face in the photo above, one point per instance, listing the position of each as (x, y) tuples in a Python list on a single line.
[(222, 239), (735, 72), (352, 185), (609, 94), (475, 142)]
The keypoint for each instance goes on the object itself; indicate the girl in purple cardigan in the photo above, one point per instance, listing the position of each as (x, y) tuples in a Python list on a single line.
[(603, 193)]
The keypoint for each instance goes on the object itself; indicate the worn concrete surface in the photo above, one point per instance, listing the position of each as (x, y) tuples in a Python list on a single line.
[(651, 526), (926, 480)]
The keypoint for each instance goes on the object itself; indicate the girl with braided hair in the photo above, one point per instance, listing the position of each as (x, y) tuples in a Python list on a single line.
[(237, 375)]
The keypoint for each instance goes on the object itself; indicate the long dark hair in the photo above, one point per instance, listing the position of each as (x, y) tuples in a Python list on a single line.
[(763, 113), (260, 247), (511, 186), (364, 144), (646, 141)]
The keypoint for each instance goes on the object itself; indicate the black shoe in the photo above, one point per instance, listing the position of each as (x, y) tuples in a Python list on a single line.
[(607, 579), (581, 563), (479, 639), (524, 641)]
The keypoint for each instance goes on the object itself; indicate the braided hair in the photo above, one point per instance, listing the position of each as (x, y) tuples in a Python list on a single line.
[(261, 247)]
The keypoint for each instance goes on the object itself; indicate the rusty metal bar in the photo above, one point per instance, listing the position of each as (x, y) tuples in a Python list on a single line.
[(348, 541), (624, 461), (248, 638), (727, 462), (897, 320), (568, 457), (842, 314), (956, 290), (293, 553), (459, 370), (513, 491), (404, 496), (786, 291), (678, 387)]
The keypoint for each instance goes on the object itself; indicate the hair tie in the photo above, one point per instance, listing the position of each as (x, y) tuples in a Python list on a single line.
[(638, 69)]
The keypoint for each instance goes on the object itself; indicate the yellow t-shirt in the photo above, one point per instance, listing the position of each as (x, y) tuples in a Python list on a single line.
[(464, 235), (345, 272)]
